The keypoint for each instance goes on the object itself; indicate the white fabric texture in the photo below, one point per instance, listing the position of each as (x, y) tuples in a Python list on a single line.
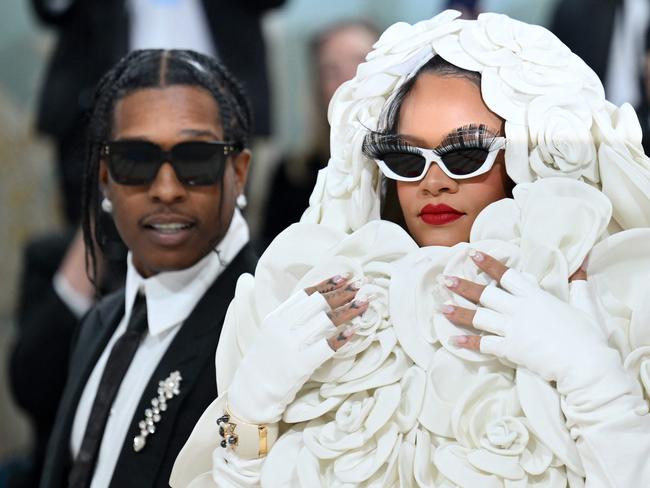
[(399, 405)]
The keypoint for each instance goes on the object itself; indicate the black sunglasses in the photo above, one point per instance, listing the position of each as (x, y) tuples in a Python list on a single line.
[(195, 162)]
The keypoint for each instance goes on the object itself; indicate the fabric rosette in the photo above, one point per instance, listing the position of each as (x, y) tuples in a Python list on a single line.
[(398, 405), (356, 422), (495, 444)]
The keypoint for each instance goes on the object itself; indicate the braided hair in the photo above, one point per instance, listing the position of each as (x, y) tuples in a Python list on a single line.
[(142, 69)]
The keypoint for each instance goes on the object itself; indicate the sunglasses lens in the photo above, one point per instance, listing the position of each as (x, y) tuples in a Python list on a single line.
[(406, 165), (133, 162), (464, 161), (199, 163)]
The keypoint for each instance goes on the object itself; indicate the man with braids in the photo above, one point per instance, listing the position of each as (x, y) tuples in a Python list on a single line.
[(167, 160), (475, 164), (104, 31)]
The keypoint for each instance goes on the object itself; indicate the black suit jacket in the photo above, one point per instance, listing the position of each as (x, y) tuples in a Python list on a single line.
[(191, 352), (93, 36)]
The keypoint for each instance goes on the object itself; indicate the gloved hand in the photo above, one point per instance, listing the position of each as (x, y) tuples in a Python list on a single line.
[(294, 340), (604, 408), (534, 329)]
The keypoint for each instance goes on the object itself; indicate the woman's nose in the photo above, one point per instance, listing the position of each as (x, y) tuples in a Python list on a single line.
[(166, 187), (436, 182)]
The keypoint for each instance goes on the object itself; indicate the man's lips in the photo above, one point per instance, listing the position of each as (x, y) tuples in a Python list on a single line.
[(168, 229), (439, 214), (165, 220)]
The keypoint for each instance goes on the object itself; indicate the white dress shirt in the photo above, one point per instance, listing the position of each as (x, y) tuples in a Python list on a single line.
[(169, 24), (171, 297)]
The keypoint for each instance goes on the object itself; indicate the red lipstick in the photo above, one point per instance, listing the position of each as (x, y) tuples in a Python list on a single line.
[(440, 214)]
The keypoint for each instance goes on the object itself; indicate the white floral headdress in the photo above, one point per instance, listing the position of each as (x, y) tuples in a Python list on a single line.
[(558, 122)]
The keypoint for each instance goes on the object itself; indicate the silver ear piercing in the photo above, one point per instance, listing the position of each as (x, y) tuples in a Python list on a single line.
[(107, 205), (241, 201)]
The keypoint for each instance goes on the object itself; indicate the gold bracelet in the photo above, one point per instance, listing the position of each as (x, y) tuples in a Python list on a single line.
[(251, 441), (262, 431)]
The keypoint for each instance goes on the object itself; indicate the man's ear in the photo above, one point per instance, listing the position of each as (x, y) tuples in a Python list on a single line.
[(241, 164), (103, 178)]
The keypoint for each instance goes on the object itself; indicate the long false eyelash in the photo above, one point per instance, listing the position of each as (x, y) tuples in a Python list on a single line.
[(376, 144), (467, 137)]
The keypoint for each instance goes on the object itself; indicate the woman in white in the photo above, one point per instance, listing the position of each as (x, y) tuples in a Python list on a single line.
[(475, 166)]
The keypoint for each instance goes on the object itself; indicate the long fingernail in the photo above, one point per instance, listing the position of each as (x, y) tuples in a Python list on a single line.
[(476, 255), (447, 309), (356, 284), (359, 303), (458, 341), (344, 333), (450, 281), (338, 279), (369, 298)]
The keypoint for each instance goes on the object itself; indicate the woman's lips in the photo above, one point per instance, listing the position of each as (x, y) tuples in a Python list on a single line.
[(439, 214)]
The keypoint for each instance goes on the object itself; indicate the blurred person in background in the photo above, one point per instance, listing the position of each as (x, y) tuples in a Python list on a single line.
[(643, 110), (468, 8), (335, 54), (609, 36)]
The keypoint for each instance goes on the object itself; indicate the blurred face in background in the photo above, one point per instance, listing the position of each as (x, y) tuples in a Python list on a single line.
[(340, 51)]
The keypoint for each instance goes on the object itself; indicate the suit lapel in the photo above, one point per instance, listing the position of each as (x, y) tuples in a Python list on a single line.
[(93, 340), (191, 351)]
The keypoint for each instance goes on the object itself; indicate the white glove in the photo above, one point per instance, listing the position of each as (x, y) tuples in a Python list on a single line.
[(559, 342), (231, 471), (292, 343), (607, 415)]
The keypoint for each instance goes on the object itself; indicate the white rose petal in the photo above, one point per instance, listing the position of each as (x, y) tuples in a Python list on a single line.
[(423, 467), (412, 309), (388, 373), (358, 465), (449, 49), (309, 405), (506, 436), (387, 400), (410, 406), (326, 441), (540, 402), (488, 399), (372, 358), (503, 466), (502, 99), (536, 458), (451, 461), (443, 388), (477, 44), (638, 361)]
